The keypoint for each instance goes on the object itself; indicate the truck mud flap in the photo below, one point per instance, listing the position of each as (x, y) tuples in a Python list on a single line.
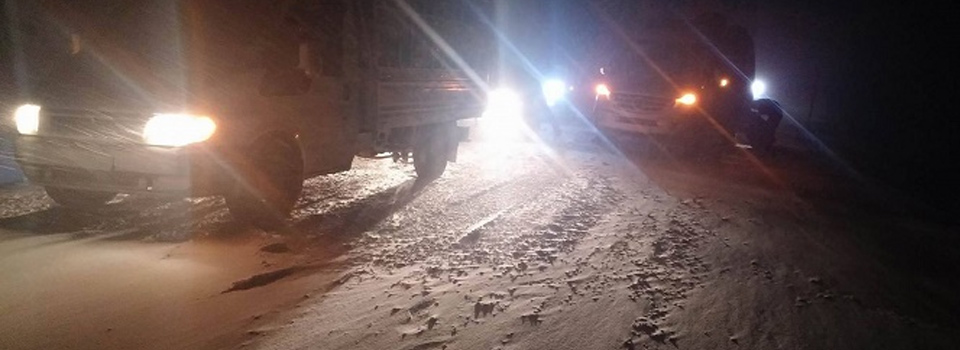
[(460, 134)]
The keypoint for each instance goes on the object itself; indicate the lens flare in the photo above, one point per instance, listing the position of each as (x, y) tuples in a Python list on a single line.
[(603, 90), (504, 115), (553, 91), (27, 118), (759, 89), (687, 99), (503, 103), (178, 129)]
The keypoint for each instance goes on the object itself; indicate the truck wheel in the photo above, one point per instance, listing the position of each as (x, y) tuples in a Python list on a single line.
[(79, 198), (430, 152), (270, 184)]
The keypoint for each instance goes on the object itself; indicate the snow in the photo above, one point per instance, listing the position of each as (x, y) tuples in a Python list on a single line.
[(515, 247)]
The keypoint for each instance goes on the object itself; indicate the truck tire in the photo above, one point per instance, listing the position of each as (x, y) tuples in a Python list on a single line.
[(270, 184), (79, 199), (431, 150)]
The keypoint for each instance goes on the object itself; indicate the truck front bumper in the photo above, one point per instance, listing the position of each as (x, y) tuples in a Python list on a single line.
[(122, 168), (666, 121)]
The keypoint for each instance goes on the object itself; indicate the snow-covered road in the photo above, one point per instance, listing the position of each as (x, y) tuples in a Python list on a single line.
[(518, 246)]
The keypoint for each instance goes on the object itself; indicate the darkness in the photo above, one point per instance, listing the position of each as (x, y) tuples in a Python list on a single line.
[(885, 82), (895, 85), (6, 52)]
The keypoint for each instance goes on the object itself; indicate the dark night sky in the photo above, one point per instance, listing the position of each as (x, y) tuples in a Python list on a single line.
[(885, 93)]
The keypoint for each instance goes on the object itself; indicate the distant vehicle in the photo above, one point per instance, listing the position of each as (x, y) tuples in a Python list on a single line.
[(241, 98), (540, 95), (664, 77)]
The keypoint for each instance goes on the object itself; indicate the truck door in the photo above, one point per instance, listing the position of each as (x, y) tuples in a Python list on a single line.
[(327, 113)]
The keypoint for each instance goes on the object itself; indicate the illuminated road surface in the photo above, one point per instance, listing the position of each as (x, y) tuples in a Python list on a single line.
[(518, 245)]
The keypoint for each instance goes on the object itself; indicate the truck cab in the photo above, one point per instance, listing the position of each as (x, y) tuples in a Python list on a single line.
[(664, 76), (243, 99)]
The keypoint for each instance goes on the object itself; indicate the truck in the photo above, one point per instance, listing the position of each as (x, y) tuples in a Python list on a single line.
[(243, 99), (684, 83)]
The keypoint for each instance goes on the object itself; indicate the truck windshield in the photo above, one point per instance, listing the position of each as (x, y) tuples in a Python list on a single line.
[(649, 51), (647, 57), (227, 38), (160, 47)]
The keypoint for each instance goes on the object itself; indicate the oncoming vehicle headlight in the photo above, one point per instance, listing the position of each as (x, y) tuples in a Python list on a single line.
[(724, 82), (758, 88), (178, 129), (687, 99), (503, 119), (27, 118), (603, 90), (503, 103), (553, 91)]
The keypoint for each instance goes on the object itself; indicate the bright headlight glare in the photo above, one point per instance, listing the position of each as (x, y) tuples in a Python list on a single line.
[(554, 90), (724, 82), (27, 118), (503, 118), (687, 99), (759, 89), (503, 103), (603, 90), (178, 129)]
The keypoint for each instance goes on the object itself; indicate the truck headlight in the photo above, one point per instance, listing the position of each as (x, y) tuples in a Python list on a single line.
[(504, 104), (27, 118), (687, 99), (553, 91), (503, 118), (178, 129), (758, 88), (603, 90)]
